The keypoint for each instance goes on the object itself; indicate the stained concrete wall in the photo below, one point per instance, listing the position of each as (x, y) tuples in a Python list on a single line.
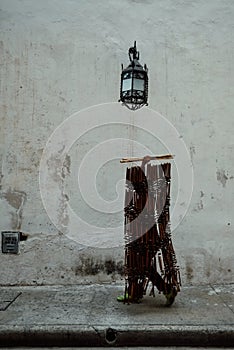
[(59, 57)]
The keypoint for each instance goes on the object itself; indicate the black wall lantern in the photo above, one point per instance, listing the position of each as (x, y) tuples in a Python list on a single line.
[(134, 82)]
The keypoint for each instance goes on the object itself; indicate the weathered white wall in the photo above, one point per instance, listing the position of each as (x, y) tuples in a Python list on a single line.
[(59, 57)]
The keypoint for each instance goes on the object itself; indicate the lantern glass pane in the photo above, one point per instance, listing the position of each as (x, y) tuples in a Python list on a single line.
[(138, 84), (127, 84)]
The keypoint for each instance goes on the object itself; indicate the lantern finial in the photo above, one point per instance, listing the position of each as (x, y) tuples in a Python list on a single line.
[(133, 53)]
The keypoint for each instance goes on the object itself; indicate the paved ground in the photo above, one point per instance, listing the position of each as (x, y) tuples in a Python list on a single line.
[(90, 316)]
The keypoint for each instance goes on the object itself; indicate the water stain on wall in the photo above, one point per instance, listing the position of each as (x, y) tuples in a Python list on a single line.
[(1, 176), (189, 271), (192, 152), (15, 199), (221, 176), (199, 206), (66, 166), (92, 266), (59, 168)]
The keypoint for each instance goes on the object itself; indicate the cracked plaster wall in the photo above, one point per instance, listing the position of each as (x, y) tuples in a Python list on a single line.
[(59, 57)]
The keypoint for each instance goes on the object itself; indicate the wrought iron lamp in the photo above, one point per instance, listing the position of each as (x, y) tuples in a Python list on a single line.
[(134, 82)]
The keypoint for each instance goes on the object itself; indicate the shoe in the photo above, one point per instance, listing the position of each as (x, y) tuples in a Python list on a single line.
[(123, 298), (127, 298), (170, 297)]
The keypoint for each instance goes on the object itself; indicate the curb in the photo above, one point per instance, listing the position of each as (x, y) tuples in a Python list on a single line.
[(75, 335)]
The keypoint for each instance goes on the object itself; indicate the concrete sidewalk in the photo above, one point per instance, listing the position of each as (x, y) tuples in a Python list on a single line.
[(89, 315)]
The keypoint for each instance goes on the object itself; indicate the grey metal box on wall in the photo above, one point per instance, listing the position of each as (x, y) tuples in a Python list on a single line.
[(10, 242)]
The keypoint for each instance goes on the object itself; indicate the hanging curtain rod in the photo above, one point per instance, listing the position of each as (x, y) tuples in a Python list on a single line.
[(129, 160)]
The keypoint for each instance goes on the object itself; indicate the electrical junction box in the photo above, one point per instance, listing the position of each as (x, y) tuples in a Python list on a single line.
[(10, 242)]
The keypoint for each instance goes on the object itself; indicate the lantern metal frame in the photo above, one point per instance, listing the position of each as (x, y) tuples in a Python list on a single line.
[(134, 82)]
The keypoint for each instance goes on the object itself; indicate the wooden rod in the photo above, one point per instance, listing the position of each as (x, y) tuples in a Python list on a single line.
[(129, 160)]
